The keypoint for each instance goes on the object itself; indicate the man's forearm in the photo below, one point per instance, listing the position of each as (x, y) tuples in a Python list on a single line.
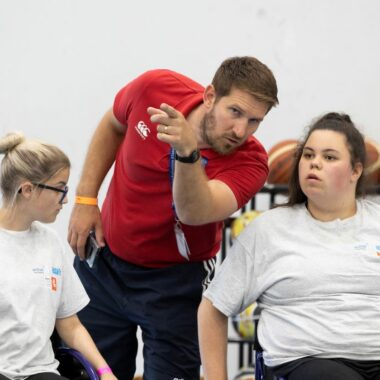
[(190, 191), (199, 200)]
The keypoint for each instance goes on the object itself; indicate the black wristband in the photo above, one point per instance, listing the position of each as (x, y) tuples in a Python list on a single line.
[(193, 157)]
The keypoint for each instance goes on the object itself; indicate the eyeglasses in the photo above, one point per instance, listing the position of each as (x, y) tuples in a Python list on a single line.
[(64, 191)]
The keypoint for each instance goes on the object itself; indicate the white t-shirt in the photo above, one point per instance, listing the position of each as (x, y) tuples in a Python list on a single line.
[(318, 283), (38, 284)]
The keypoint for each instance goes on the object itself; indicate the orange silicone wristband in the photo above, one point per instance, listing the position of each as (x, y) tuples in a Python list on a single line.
[(86, 200)]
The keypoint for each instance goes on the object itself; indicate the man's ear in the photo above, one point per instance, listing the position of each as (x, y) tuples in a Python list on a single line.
[(209, 96), (26, 189)]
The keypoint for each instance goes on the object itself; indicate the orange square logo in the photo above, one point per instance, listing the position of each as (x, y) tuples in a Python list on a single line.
[(53, 284)]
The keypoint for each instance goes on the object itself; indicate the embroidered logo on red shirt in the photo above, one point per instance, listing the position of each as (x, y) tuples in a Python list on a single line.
[(142, 129)]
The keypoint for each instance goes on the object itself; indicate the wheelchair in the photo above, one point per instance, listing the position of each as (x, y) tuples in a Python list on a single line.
[(72, 364), (261, 371)]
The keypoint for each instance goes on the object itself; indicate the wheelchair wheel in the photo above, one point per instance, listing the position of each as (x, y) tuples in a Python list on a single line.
[(74, 366)]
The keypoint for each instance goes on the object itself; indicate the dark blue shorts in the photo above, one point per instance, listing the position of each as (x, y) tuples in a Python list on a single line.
[(162, 301)]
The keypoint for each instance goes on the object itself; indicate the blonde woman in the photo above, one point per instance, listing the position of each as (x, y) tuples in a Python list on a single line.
[(39, 289)]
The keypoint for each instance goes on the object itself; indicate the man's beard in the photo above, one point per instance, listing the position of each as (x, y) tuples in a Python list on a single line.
[(217, 144)]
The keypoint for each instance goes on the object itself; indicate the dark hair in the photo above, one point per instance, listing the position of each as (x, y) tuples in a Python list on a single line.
[(340, 123), (248, 74)]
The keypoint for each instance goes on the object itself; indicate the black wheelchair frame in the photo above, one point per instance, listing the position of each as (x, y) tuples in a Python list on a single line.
[(72, 364)]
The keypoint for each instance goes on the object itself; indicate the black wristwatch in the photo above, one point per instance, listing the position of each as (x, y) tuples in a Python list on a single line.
[(193, 157)]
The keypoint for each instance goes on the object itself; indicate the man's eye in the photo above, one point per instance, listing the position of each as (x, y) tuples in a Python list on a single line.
[(235, 111)]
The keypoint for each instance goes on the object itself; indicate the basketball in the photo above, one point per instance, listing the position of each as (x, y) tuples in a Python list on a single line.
[(247, 373), (372, 167), (244, 323), (238, 225), (280, 161)]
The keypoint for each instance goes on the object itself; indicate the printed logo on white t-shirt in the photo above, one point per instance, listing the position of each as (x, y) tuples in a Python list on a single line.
[(369, 248), (49, 277)]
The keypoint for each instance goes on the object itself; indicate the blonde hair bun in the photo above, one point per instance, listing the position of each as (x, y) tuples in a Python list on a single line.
[(10, 141)]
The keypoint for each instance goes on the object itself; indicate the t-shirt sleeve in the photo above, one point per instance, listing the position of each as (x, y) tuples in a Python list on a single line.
[(73, 297), (235, 286), (153, 88), (246, 172), (125, 99)]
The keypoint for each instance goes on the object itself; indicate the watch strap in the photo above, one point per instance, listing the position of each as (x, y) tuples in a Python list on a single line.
[(191, 159)]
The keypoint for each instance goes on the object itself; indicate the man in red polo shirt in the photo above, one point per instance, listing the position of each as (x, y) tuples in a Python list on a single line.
[(185, 159)]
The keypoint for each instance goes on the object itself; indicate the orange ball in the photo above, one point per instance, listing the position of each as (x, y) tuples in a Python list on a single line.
[(280, 161), (372, 167)]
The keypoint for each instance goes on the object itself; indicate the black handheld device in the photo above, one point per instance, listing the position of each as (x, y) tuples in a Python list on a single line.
[(92, 249)]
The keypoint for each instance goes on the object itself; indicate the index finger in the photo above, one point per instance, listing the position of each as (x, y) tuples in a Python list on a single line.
[(81, 244), (171, 111), (155, 111)]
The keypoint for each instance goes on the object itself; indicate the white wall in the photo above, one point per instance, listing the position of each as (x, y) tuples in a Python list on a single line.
[(63, 60)]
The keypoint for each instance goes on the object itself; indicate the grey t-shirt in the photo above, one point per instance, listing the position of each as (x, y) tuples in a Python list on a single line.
[(38, 284), (318, 283)]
